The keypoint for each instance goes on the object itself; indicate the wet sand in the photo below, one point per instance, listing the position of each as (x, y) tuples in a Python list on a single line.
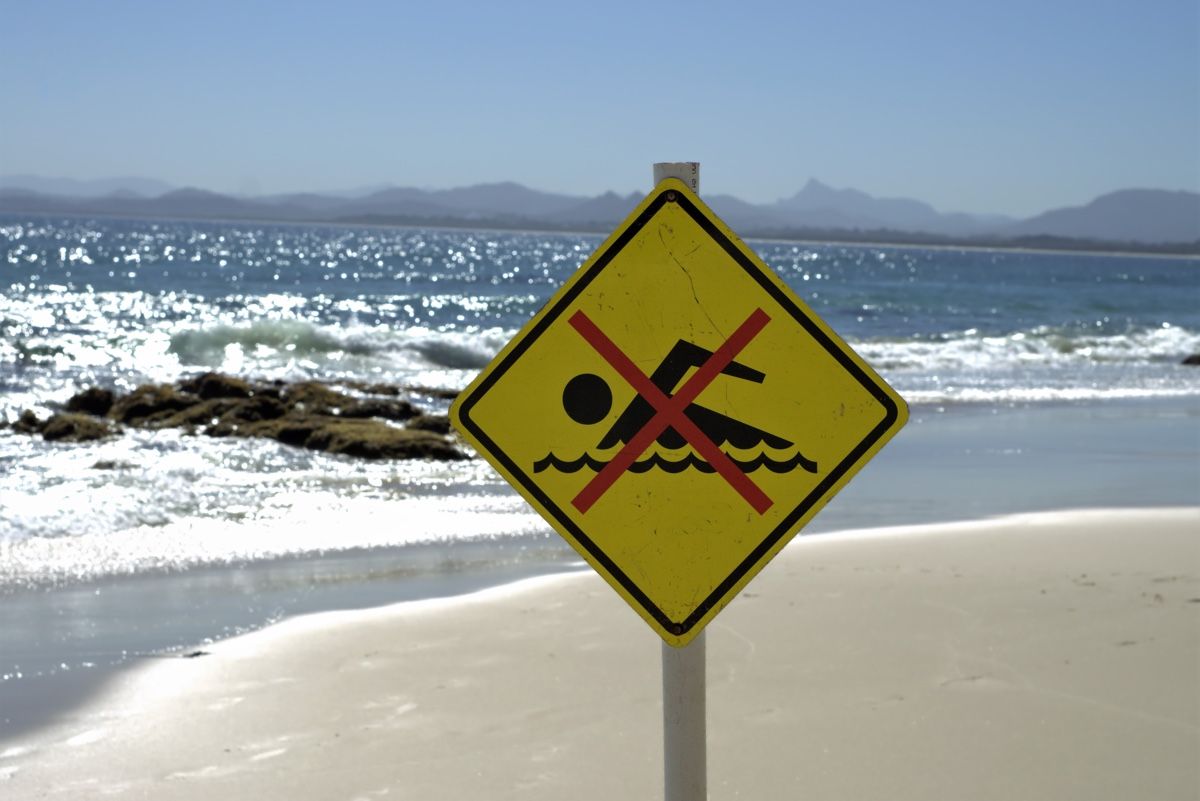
[(1034, 656)]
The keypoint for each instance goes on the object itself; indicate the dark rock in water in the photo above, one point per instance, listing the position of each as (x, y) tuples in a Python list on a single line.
[(288, 430), (224, 412), (307, 414), (71, 427), (27, 423), (364, 438), (198, 414), (260, 407), (215, 385), (314, 397), (93, 400), (437, 423), (293, 429), (150, 403), (383, 409), (369, 439), (1193, 360)]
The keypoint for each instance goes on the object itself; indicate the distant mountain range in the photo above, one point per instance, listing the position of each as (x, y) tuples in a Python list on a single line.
[(69, 187), (1147, 219)]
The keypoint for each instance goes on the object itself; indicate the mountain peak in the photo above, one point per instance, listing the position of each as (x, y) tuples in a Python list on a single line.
[(817, 193), (813, 188), (820, 205)]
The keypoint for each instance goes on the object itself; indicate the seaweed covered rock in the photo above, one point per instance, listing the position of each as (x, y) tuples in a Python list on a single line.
[(64, 427), (27, 423), (313, 397), (93, 400), (259, 407), (72, 427), (384, 409), (437, 423), (355, 419), (352, 419), (290, 429), (370, 439), (207, 386), (150, 403)]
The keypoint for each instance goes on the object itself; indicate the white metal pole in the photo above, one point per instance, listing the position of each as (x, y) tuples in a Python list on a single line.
[(685, 735), (685, 768)]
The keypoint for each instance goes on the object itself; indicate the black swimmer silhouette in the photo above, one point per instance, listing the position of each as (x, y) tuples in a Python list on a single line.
[(587, 399)]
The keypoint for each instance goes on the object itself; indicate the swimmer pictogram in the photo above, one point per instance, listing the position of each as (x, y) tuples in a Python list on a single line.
[(672, 420), (587, 399)]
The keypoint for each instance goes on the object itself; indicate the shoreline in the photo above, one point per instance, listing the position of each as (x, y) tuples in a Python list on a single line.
[(198, 607), (964, 463), (1020, 648)]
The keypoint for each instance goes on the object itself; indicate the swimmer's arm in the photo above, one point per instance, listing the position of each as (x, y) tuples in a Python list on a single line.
[(686, 355)]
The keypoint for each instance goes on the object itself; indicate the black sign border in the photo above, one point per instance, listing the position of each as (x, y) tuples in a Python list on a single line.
[(821, 492)]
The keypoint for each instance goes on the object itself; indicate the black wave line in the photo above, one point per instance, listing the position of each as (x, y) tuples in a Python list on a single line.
[(563, 466), (690, 461)]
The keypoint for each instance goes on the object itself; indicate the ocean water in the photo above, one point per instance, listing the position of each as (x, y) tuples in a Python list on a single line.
[(117, 303), (1050, 369)]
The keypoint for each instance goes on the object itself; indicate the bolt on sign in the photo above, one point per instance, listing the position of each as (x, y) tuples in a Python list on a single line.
[(677, 413)]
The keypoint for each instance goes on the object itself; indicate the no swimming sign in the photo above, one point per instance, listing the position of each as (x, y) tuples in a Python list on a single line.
[(677, 413)]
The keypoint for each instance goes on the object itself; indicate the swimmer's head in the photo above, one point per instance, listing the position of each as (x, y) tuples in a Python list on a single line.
[(587, 399)]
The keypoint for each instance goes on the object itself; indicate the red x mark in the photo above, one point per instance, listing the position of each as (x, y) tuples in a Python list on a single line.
[(669, 411)]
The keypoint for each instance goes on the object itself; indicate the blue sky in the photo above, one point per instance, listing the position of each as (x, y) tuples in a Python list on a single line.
[(1010, 107)]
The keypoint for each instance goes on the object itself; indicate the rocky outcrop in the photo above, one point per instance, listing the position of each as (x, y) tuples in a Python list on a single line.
[(437, 423), (148, 404), (65, 427), (369, 421), (94, 401), (71, 427), (216, 385), (1193, 360)]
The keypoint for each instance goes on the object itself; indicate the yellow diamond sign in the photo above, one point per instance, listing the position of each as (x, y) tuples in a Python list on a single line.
[(677, 413)]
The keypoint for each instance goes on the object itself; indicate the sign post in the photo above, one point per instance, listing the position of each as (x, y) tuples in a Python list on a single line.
[(677, 414), (684, 670), (685, 724)]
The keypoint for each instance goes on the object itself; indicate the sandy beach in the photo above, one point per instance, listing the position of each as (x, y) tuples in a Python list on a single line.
[(1040, 656)]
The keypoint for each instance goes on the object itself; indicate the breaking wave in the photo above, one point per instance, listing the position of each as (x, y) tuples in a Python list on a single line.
[(299, 339), (294, 336), (1054, 346)]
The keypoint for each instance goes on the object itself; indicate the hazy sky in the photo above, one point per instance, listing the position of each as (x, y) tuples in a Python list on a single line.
[(1010, 107)]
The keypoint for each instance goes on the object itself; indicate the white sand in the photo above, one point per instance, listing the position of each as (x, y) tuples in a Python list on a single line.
[(1033, 657)]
